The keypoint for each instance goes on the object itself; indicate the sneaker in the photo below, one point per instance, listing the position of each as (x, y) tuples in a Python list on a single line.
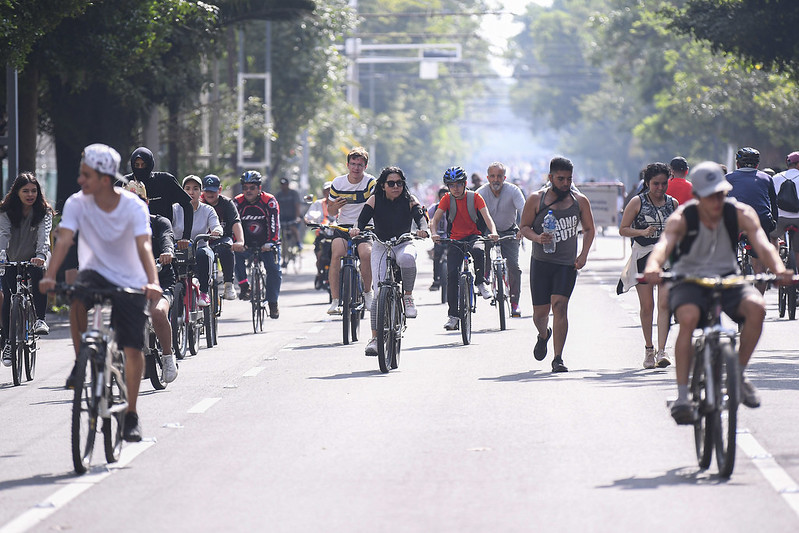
[(683, 412), (540, 350), (452, 323), (334, 308), (649, 357), (485, 292), (274, 312), (662, 360), (558, 366), (204, 300), (435, 286), (41, 327), (132, 431), (7, 355), (72, 379), (368, 298), (169, 368), (410, 308), (371, 348), (244, 292), (230, 292), (515, 312), (749, 394)]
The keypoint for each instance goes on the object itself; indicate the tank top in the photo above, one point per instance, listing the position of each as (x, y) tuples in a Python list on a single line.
[(710, 255), (652, 215), (568, 220), (391, 218)]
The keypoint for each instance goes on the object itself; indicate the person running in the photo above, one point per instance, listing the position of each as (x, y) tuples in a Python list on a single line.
[(438, 248), (643, 221), (679, 187), (467, 219), (114, 251), (231, 227), (259, 212), (393, 209), (553, 275), (711, 252), (785, 217), (505, 202), (348, 194), (25, 223)]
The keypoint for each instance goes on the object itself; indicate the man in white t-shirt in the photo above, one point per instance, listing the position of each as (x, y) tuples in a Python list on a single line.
[(114, 250), (348, 195), (787, 218)]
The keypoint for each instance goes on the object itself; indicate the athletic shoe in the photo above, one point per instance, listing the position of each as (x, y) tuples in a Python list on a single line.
[(485, 292), (749, 394), (410, 308), (515, 312), (274, 312), (204, 300), (683, 412), (371, 348), (558, 366), (452, 323), (41, 327), (649, 357), (435, 286), (170, 369), (230, 292), (368, 298), (132, 431), (335, 308), (540, 350), (7, 355), (72, 379), (244, 292), (662, 360)]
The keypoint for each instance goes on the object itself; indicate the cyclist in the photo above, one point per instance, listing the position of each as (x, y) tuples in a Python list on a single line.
[(505, 202), (259, 214), (114, 250), (318, 214), (393, 209), (25, 223), (788, 218), (643, 221), (290, 208), (231, 227), (756, 189), (467, 217), (438, 248), (205, 222), (163, 244), (679, 187), (348, 194), (710, 251), (553, 275)]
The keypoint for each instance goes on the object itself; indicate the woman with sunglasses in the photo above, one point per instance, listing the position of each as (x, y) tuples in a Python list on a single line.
[(392, 208)]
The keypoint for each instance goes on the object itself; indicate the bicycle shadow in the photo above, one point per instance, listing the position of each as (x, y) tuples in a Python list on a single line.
[(676, 476), (319, 346), (633, 378), (39, 480), (358, 374), (432, 347), (535, 374)]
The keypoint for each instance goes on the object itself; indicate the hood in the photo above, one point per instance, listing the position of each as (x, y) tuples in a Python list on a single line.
[(149, 163)]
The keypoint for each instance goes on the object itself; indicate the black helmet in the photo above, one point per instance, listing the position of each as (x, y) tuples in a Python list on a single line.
[(251, 176), (454, 175), (747, 157)]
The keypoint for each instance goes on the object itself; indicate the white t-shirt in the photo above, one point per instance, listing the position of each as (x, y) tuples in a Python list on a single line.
[(107, 241), (205, 220), (356, 195), (791, 174)]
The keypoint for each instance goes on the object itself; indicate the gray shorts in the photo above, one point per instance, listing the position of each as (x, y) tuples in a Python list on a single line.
[(682, 293)]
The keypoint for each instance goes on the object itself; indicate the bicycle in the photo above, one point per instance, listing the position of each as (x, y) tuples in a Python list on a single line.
[(500, 284), (22, 318), (256, 273), (100, 387), (467, 300), (744, 255), (787, 294), (212, 313), (290, 246), (153, 359), (187, 317)]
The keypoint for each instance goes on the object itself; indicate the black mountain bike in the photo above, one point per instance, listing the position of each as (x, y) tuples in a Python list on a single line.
[(22, 318), (353, 305), (786, 300), (256, 274), (467, 300)]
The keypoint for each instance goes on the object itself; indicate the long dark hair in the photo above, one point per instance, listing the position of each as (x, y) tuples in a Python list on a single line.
[(384, 176), (12, 205)]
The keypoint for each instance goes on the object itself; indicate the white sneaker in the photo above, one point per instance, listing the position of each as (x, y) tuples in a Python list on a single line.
[(662, 360), (334, 308), (204, 300), (485, 292), (452, 323), (368, 298), (371, 348), (649, 358), (410, 308), (170, 370), (41, 327), (230, 292), (7, 355)]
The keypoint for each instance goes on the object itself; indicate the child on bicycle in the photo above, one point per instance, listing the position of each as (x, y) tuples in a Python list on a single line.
[(114, 250)]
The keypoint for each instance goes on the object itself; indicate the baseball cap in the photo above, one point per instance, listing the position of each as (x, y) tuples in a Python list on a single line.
[(679, 163), (211, 183), (104, 160), (195, 179), (284, 181), (708, 178), (793, 157)]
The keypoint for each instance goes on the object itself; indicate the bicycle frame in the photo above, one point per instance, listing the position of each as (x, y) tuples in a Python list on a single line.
[(24, 352)]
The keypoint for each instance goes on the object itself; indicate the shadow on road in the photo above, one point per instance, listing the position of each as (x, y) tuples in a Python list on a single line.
[(633, 378), (360, 374), (677, 476), (35, 481)]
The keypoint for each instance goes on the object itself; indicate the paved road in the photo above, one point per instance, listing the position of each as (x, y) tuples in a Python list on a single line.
[(289, 430)]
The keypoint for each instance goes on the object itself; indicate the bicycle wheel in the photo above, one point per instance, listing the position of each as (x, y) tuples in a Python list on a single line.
[(177, 319), (443, 278), (703, 427), (117, 405), (346, 302), (208, 326), (359, 308), (84, 411), (727, 381), (790, 301), (154, 363), (501, 297), (399, 325), (215, 307), (30, 343), (261, 298), (194, 326), (17, 339), (465, 309), (782, 299), (385, 327)]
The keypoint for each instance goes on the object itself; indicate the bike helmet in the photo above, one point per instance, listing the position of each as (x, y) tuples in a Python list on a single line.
[(747, 157), (251, 176), (454, 175)]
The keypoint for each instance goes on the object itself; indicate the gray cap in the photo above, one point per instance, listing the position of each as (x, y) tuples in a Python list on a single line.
[(708, 178)]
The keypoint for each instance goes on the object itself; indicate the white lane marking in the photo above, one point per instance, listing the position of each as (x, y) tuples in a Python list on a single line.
[(316, 329), (37, 514), (773, 472), (203, 405), (254, 371)]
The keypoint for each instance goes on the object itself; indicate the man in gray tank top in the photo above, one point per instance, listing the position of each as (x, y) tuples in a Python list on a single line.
[(711, 253), (553, 275)]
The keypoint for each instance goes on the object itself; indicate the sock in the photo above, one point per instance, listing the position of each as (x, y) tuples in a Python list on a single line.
[(682, 393)]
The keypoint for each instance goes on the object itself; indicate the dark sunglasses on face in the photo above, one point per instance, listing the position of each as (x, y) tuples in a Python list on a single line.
[(394, 183)]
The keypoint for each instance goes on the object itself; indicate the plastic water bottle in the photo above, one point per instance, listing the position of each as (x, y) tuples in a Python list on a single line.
[(550, 225), (3, 260)]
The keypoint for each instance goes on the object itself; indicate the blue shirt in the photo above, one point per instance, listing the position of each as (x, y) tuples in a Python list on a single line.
[(755, 189)]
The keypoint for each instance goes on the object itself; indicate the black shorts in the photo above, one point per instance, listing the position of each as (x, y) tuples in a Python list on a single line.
[(547, 279), (128, 311), (339, 234), (682, 293)]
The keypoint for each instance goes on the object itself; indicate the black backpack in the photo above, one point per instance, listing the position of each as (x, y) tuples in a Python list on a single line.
[(691, 213), (787, 200)]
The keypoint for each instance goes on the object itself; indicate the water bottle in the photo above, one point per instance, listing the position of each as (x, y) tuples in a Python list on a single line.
[(550, 225), (3, 259)]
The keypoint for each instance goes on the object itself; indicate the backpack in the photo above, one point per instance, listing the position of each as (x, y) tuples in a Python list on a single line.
[(691, 214), (476, 217), (787, 200)]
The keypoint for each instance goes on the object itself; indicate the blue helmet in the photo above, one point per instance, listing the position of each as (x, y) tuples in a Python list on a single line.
[(454, 175), (251, 176), (747, 157)]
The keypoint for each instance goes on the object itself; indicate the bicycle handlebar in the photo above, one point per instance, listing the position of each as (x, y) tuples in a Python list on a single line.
[(721, 282)]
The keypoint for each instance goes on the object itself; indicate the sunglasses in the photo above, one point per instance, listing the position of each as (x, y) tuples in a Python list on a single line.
[(394, 183)]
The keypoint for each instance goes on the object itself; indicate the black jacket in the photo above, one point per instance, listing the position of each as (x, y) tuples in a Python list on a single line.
[(163, 243)]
